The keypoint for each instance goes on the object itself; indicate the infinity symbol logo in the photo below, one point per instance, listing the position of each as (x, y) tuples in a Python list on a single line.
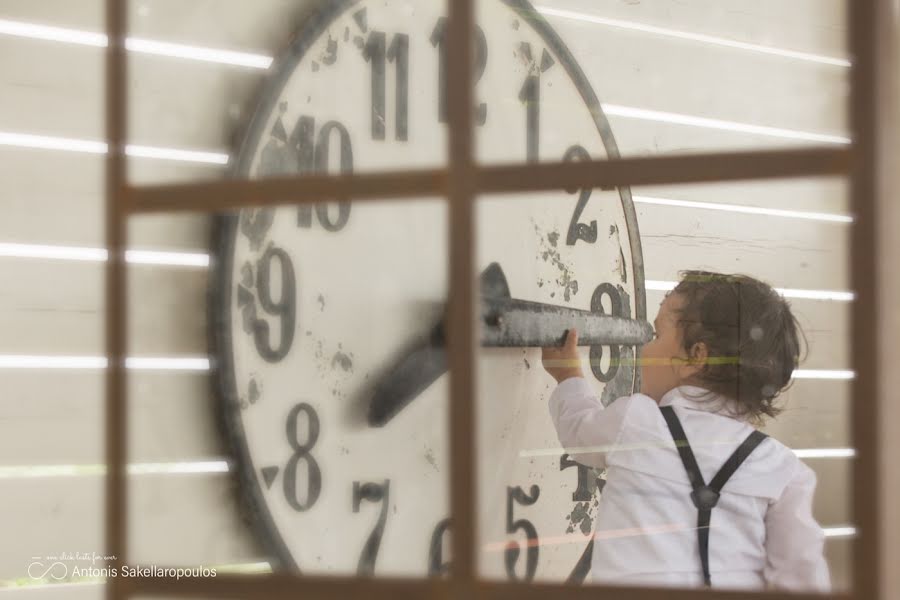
[(54, 572)]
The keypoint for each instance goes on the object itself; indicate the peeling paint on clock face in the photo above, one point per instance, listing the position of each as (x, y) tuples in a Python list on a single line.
[(315, 304)]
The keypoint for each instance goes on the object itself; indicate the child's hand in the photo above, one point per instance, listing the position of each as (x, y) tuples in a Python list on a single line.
[(563, 363)]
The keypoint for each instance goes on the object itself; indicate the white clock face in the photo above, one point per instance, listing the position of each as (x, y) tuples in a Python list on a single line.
[(313, 308)]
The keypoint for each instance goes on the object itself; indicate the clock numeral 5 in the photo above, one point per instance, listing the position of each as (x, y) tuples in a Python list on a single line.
[(378, 53), (437, 566), (284, 309), (438, 40), (587, 481), (580, 231), (515, 495), (313, 154), (302, 453), (379, 493), (615, 352)]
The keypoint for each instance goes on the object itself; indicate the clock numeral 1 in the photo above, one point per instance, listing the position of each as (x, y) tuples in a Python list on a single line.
[(580, 231), (587, 481), (516, 495), (378, 493), (530, 95), (314, 156), (378, 53), (438, 40), (615, 352), (285, 308), (302, 453), (437, 566)]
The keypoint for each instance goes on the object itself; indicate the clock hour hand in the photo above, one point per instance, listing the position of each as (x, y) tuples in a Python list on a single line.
[(507, 322)]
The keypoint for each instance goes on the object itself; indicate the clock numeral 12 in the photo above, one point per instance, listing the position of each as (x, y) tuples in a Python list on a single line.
[(587, 481), (379, 493), (285, 308), (516, 495), (438, 40), (302, 453), (378, 53), (314, 156)]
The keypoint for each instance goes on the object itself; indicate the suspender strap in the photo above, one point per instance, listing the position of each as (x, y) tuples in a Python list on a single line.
[(705, 497)]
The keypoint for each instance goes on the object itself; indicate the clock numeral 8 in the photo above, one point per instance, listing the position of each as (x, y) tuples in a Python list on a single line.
[(615, 352), (285, 308), (516, 495), (302, 453), (372, 492)]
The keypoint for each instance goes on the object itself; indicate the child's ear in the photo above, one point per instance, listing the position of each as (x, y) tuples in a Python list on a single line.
[(698, 358)]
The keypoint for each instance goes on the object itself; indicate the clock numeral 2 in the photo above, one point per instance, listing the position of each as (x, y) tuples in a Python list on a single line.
[(587, 481), (378, 493), (437, 566), (378, 53), (302, 453), (285, 308), (580, 231), (313, 156), (516, 495), (438, 40), (615, 352)]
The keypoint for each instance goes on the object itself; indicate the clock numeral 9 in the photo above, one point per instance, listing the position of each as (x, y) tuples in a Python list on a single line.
[(378, 53), (314, 156), (437, 566), (615, 352), (516, 495), (285, 308), (587, 481), (302, 453), (378, 493), (438, 40), (580, 231)]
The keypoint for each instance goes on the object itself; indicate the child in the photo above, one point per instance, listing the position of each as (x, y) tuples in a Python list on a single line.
[(725, 347)]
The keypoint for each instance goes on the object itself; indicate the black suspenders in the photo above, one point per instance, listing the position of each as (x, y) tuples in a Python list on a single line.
[(704, 496)]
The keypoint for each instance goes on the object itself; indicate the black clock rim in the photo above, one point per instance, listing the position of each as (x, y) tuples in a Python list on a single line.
[(250, 494)]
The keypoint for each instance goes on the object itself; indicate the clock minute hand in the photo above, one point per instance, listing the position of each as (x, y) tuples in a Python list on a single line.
[(508, 322)]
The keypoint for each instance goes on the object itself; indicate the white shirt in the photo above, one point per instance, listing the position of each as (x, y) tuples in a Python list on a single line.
[(762, 532)]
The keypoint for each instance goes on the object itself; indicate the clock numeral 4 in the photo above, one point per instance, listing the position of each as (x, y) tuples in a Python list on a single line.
[(377, 52), (439, 41), (285, 308), (580, 231), (378, 493), (437, 566), (516, 495), (588, 483), (302, 454)]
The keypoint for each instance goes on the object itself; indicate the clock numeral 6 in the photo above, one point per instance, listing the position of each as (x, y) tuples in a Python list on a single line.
[(587, 481), (378, 493), (285, 309), (580, 231), (615, 352), (516, 495), (302, 453), (437, 566)]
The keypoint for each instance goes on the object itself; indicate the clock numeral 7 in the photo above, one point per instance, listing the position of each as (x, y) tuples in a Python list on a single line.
[(313, 153), (285, 309), (516, 495), (379, 493), (587, 481), (378, 53), (302, 453)]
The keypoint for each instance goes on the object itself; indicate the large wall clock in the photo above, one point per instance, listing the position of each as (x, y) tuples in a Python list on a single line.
[(315, 309)]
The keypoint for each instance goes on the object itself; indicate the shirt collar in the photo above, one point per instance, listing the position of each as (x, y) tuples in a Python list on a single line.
[(699, 398)]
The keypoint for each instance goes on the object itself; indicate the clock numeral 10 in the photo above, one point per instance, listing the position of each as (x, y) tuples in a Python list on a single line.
[(378, 493), (587, 481), (314, 156), (302, 454), (516, 495), (438, 40), (285, 309), (378, 53)]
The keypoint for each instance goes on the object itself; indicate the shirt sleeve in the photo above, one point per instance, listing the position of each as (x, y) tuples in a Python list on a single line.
[(586, 430), (794, 541)]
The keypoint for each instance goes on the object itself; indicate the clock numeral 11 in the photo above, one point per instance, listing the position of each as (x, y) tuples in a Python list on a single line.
[(516, 495), (378, 53)]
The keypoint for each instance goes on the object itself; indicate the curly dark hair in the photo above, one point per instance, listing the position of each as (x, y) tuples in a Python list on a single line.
[(753, 339)]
